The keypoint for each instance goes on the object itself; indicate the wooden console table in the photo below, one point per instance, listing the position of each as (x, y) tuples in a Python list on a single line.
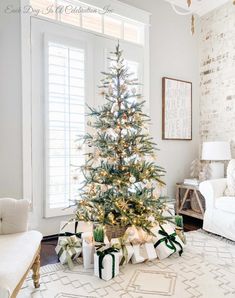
[(184, 194)]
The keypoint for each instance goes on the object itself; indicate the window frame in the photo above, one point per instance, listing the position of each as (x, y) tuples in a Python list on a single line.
[(26, 62)]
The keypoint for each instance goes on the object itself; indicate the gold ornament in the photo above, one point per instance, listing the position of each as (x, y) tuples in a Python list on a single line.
[(123, 205), (189, 2)]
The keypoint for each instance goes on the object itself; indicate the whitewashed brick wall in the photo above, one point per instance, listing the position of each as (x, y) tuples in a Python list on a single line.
[(217, 67)]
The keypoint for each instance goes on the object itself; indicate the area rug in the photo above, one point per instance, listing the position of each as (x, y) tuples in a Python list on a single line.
[(206, 269)]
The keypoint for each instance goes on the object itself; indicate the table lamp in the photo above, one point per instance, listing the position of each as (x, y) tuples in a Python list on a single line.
[(216, 152)]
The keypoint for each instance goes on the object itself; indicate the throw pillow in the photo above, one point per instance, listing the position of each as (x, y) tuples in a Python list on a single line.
[(230, 190)]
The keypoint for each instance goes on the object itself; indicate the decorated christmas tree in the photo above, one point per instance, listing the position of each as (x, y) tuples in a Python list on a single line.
[(122, 181)]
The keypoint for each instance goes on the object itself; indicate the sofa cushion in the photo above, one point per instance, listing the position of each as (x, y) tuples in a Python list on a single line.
[(13, 216), (226, 204), (16, 254)]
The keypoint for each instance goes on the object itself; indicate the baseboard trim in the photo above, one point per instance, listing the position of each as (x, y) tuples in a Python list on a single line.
[(50, 238)]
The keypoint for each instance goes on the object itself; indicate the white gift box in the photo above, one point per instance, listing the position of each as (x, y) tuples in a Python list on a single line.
[(81, 227), (150, 251), (140, 254), (107, 263), (62, 254), (67, 254), (163, 251), (125, 251)]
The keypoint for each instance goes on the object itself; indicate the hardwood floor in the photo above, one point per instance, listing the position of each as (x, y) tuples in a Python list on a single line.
[(48, 255)]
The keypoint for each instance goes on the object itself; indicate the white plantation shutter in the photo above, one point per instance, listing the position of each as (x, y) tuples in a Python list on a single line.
[(65, 113)]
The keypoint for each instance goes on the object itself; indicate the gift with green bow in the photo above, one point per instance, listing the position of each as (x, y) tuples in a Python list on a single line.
[(68, 249), (125, 249), (106, 263), (167, 242)]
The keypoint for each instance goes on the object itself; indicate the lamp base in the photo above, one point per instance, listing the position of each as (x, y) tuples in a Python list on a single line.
[(217, 170)]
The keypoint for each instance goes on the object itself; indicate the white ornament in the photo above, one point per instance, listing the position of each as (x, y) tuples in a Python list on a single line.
[(157, 192), (104, 188), (151, 218), (115, 108), (132, 179)]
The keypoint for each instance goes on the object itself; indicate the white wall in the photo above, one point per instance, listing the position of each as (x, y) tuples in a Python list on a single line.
[(10, 103), (173, 53)]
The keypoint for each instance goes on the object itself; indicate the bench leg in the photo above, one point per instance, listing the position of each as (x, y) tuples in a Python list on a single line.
[(36, 271)]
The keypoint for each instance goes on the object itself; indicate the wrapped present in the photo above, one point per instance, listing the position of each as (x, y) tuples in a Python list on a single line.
[(150, 251), (106, 263), (142, 245), (139, 254), (147, 248), (68, 249), (88, 250), (125, 249), (68, 229), (166, 241)]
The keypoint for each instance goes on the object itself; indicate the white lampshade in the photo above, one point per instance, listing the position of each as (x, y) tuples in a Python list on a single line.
[(216, 151)]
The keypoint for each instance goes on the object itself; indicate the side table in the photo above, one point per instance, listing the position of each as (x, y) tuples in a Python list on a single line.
[(186, 198)]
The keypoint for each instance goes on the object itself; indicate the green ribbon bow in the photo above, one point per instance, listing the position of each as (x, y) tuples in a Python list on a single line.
[(170, 241), (68, 234), (102, 254), (69, 244)]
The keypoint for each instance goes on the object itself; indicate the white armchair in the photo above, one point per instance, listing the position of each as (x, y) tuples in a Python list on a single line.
[(19, 248), (219, 216)]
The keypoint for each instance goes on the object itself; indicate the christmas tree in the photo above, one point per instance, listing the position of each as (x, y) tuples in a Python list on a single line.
[(122, 180)]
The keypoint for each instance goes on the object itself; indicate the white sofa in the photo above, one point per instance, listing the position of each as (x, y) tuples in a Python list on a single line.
[(219, 216), (19, 248)]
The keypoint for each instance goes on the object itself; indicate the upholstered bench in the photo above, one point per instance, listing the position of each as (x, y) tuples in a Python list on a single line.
[(19, 248)]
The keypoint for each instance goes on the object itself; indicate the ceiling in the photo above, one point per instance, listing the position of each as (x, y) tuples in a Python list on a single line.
[(200, 7)]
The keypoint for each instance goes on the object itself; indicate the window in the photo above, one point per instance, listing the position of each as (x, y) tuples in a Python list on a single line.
[(112, 27), (65, 111), (69, 11)]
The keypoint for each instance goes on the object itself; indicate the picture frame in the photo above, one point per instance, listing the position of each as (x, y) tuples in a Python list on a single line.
[(176, 109)]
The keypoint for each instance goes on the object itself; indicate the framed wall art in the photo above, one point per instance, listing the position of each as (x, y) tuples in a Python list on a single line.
[(176, 109)]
